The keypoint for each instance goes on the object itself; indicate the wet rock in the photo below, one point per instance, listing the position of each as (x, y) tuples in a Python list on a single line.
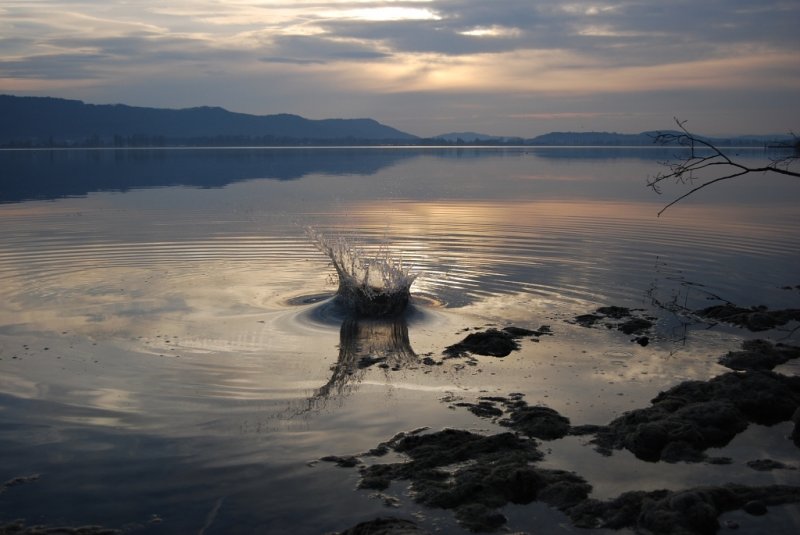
[(635, 326), (533, 421), (696, 415), (755, 508), (344, 462), (679, 451), (587, 429), (385, 526), (587, 320), (796, 429), (754, 319), (624, 319), (543, 330), (484, 409), (539, 422), (615, 312), (759, 355), (687, 512), (492, 343), (16, 481), (456, 445), (564, 489), (766, 465), (474, 475), (518, 332), (480, 518)]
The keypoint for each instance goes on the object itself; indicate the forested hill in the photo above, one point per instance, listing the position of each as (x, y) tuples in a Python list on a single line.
[(43, 121)]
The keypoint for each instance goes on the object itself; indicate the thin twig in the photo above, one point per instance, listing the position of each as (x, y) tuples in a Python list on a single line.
[(684, 170)]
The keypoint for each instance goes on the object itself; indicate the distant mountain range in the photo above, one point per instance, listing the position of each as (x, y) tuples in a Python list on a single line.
[(56, 122), (45, 120)]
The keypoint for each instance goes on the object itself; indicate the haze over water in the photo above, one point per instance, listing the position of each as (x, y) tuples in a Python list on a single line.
[(172, 358)]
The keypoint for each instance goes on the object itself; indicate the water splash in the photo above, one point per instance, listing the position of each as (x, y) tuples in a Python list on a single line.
[(371, 284)]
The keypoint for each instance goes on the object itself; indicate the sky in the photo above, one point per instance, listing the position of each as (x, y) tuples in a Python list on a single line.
[(427, 67)]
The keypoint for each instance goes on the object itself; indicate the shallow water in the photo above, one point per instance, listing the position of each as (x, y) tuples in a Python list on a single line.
[(172, 358)]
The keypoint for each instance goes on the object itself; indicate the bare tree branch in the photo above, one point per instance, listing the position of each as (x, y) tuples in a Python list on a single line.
[(704, 156)]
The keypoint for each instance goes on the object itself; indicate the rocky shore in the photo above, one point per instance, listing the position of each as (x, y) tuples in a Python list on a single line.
[(475, 475)]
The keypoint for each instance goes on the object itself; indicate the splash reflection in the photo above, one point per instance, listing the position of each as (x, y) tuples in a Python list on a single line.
[(364, 343)]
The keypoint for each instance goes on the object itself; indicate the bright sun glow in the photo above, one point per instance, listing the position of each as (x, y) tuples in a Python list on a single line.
[(383, 14), (492, 31)]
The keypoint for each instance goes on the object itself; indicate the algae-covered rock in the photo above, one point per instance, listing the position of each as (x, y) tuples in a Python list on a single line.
[(533, 421), (759, 355), (474, 475), (685, 512), (693, 416), (539, 422)]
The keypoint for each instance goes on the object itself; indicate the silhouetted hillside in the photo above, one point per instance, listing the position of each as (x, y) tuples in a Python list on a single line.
[(45, 121)]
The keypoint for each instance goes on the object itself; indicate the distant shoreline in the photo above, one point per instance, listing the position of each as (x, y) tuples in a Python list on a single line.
[(769, 148)]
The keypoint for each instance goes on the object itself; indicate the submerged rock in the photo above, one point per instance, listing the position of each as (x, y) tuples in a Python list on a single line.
[(384, 526), (587, 320), (615, 312), (623, 319), (759, 355), (532, 421), (348, 461), (20, 528), (484, 409), (635, 326), (766, 465), (754, 319), (536, 421)]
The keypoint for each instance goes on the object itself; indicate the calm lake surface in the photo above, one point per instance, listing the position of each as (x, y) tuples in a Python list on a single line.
[(171, 360)]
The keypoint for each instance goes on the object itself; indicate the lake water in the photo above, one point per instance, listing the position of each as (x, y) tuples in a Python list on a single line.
[(171, 360)]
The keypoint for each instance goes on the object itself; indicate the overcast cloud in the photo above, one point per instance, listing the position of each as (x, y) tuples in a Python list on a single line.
[(428, 67)]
